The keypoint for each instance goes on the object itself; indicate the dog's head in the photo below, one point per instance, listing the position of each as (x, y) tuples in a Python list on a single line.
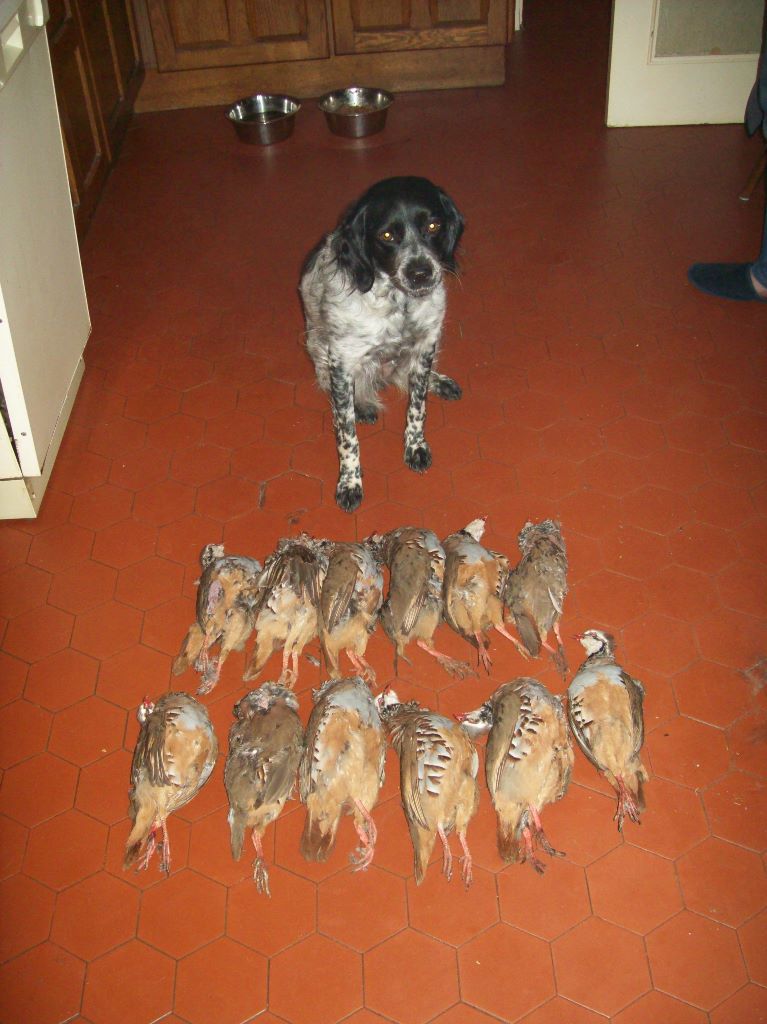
[(406, 228)]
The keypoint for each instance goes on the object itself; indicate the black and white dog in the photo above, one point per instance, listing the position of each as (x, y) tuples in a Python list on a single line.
[(374, 301)]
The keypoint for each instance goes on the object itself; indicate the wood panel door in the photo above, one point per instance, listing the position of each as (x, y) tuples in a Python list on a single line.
[(367, 26), (113, 51), (188, 34), (85, 139)]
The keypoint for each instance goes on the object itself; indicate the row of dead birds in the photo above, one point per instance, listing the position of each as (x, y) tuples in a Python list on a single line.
[(339, 762), (309, 587)]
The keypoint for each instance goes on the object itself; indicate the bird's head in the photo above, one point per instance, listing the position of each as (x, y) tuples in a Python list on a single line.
[(145, 709), (478, 721), (595, 641)]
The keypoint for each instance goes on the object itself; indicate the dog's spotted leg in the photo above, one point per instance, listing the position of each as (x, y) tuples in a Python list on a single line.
[(444, 387), (417, 451), (349, 489)]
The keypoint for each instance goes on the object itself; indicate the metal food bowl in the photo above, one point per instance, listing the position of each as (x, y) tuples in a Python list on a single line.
[(264, 118), (356, 111)]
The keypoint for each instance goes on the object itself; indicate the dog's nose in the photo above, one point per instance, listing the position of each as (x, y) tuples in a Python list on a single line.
[(419, 274)]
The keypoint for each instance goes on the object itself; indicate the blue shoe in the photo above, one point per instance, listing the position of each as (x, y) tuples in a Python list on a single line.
[(725, 280)]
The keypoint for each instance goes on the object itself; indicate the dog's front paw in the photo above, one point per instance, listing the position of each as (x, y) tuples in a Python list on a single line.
[(348, 496), (366, 413), (445, 387), (418, 457)]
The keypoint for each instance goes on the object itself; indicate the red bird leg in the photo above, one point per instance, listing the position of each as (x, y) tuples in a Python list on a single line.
[(529, 854), (362, 858), (626, 805), (447, 857), (484, 657), (260, 874), (164, 849), (364, 669), (540, 835), (466, 873), (149, 847), (289, 676), (459, 669), (509, 636)]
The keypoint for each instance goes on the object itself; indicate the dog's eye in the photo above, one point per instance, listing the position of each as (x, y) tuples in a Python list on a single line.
[(433, 227), (386, 236)]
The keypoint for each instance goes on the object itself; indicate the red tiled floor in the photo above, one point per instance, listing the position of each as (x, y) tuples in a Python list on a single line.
[(598, 388)]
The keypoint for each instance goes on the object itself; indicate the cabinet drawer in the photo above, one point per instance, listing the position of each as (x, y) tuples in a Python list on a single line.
[(188, 34)]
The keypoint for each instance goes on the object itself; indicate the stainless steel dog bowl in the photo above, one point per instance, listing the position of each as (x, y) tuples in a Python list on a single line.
[(356, 111), (264, 118)]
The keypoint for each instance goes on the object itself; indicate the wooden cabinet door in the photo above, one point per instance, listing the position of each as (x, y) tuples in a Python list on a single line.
[(82, 127), (190, 34), (113, 53), (366, 26)]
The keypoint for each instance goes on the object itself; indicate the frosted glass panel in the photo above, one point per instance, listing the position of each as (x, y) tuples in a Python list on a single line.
[(693, 28)]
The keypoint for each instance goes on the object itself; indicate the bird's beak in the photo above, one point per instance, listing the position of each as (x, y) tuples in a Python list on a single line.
[(461, 716)]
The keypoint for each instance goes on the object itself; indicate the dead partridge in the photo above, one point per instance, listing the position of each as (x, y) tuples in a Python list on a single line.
[(413, 606), (475, 578), (528, 763), (342, 768), (287, 605), (536, 588), (351, 597), (265, 747), (224, 599), (174, 756), (605, 712), (438, 780)]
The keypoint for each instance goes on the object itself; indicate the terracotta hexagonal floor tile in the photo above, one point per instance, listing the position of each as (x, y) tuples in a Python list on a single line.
[(425, 974), (166, 625), (748, 429), (679, 471), (696, 960), (87, 731), (61, 679), (673, 823), (747, 740), (722, 881), (164, 503), (656, 509), (634, 436), (14, 546), (688, 752), (111, 994), (65, 849), (210, 853), (655, 1006), (608, 991), (13, 674), (24, 999), (153, 404), (659, 643), (731, 638), (13, 843), (227, 497), (149, 583), (134, 470), (608, 597), (37, 633), (750, 1004), (183, 914), (584, 821), (235, 428), (635, 552), (341, 903), (27, 915), (742, 587), (60, 547), (126, 678), (175, 432), (37, 789), (546, 905), (753, 942), (292, 492), (103, 788), (200, 464), (101, 507), (270, 925), (634, 889), (713, 693), (106, 630), (558, 1010), (455, 920), (722, 505), (737, 809), (487, 984), (22, 589), (87, 934), (183, 540), (85, 586), (680, 592), (224, 982), (703, 547), (125, 543), (24, 730), (315, 982)]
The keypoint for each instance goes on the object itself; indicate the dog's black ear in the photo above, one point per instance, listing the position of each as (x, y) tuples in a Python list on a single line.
[(352, 250), (453, 229)]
